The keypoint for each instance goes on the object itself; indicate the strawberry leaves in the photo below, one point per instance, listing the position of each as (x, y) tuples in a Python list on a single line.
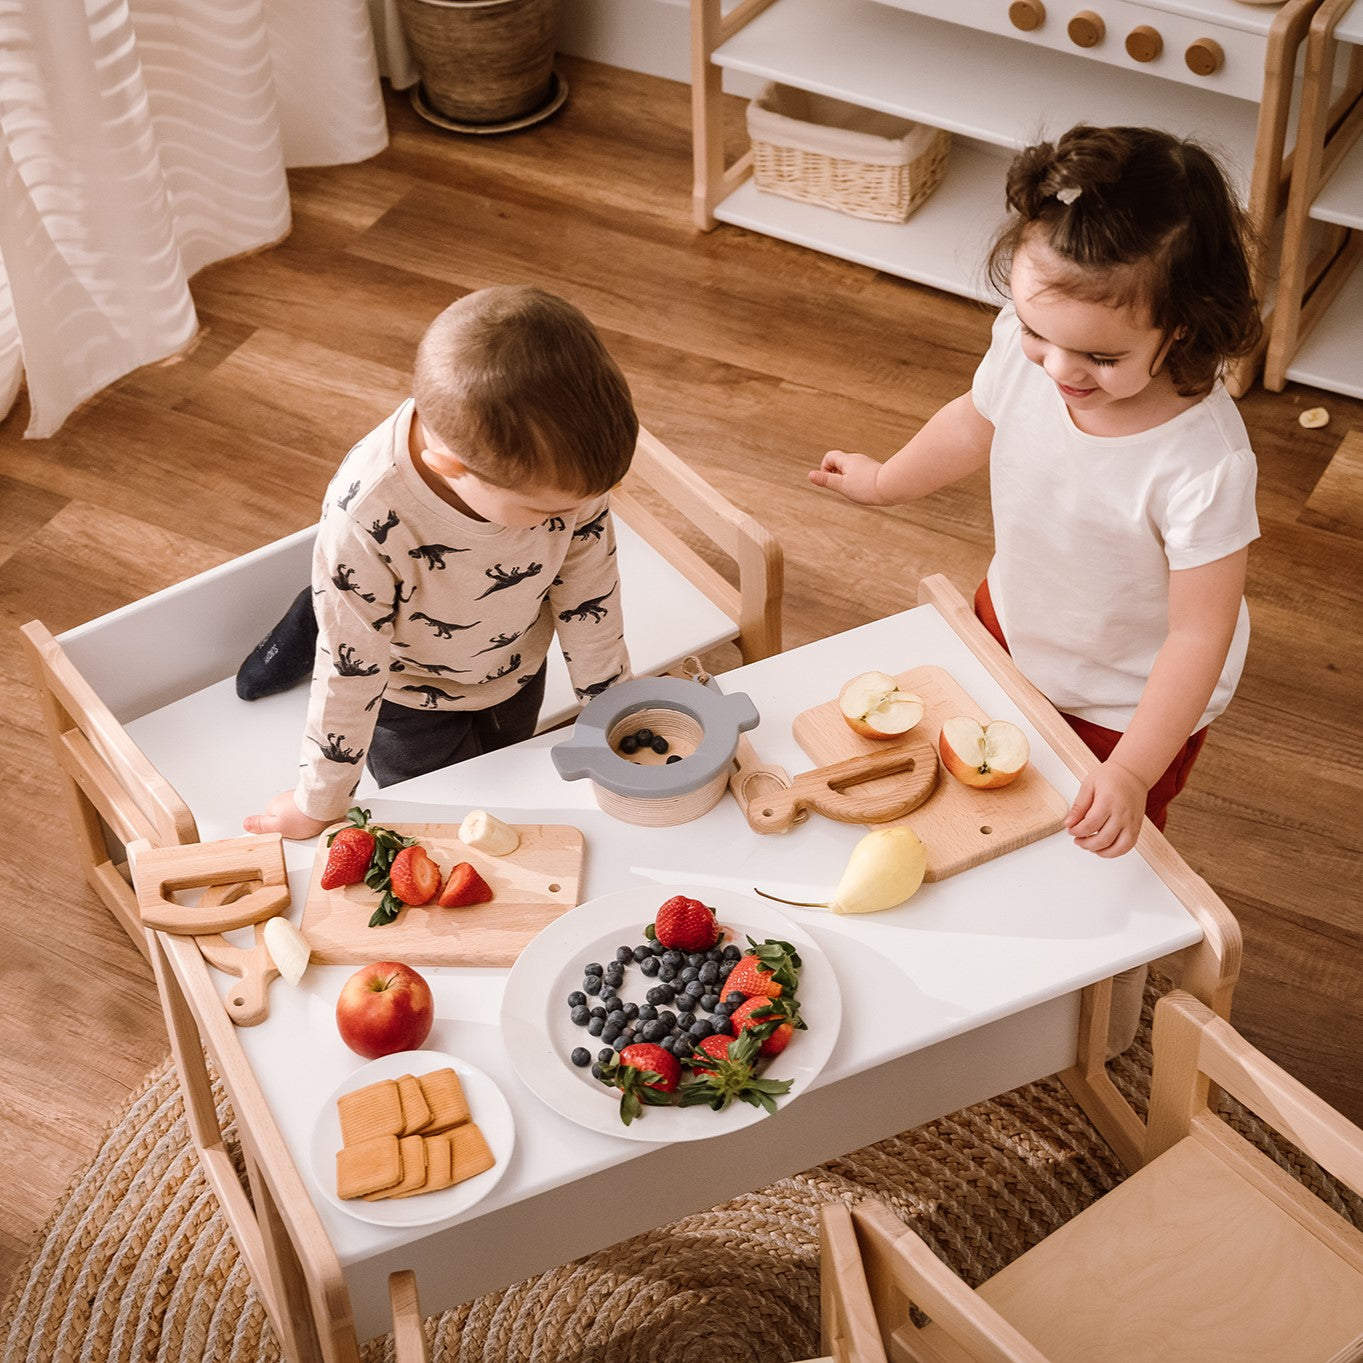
[(387, 844)]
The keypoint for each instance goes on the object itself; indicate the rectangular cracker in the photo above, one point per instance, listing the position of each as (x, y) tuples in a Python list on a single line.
[(439, 1166), (445, 1097), (416, 1111), (412, 1150), (368, 1167), (368, 1112), (469, 1148)]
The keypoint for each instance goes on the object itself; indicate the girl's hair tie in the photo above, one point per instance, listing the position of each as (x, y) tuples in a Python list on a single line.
[(1068, 194)]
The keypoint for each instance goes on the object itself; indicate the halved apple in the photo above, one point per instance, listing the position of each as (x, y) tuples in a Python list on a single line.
[(985, 756), (875, 707)]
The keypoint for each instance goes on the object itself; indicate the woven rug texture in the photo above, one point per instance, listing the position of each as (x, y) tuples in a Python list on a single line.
[(137, 1265)]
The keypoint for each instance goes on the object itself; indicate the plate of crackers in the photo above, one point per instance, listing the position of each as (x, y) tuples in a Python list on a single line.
[(412, 1138)]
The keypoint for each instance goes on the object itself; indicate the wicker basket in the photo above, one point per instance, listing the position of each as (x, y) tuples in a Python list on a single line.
[(856, 160)]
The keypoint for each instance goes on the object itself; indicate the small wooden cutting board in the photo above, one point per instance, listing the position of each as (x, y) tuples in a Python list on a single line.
[(961, 827), (531, 887)]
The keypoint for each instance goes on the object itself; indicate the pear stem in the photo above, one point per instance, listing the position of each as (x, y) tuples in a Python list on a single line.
[(797, 903)]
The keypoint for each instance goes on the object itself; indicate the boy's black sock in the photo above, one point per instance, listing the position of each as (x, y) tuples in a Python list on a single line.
[(284, 656)]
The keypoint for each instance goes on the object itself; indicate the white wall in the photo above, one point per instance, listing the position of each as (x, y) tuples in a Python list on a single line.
[(652, 36)]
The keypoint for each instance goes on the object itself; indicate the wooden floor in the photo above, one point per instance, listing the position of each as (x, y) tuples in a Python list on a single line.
[(747, 356)]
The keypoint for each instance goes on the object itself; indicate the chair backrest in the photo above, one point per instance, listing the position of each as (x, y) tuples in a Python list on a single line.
[(114, 794)]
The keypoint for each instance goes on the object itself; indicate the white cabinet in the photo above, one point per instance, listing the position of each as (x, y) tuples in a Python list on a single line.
[(1317, 334), (966, 66)]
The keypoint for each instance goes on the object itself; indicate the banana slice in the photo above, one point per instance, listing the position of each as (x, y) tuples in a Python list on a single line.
[(485, 832), (288, 948), (1313, 418)]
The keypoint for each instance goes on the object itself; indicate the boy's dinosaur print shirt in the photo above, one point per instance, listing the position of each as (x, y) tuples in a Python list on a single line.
[(422, 605)]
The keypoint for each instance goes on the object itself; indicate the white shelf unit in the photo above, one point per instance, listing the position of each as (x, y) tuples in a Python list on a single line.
[(994, 92), (1318, 336)]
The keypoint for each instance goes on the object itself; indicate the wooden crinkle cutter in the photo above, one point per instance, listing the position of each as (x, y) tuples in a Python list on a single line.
[(244, 883)]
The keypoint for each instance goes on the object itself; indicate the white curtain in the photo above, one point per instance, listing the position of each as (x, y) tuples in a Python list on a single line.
[(141, 140)]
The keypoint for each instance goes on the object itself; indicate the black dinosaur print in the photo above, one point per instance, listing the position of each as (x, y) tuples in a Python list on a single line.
[(431, 696), (593, 530), (596, 688), (435, 669), (443, 628), (555, 523), (398, 599), (380, 529), (512, 663), (333, 750), (589, 609), (501, 641), (433, 555), (502, 578), (347, 665), (343, 580), (345, 501)]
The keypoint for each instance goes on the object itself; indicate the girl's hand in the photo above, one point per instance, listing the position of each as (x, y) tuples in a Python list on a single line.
[(1106, 814), (854, 475), (282, 815)]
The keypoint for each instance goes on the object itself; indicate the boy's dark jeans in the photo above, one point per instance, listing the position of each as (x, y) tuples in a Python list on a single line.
[(411, 742)]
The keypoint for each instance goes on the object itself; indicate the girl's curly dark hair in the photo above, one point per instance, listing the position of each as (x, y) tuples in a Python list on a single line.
[(1140, 217)]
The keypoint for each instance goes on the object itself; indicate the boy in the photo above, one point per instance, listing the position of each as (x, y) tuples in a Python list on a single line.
[(455, 540)]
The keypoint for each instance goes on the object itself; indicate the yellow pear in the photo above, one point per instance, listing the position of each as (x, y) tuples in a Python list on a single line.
[(886, 868)]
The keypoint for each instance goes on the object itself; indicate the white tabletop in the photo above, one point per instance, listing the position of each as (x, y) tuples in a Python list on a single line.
[(963, 992)]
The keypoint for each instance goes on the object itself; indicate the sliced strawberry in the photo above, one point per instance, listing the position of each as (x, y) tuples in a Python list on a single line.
[(725, 1070), (683, 924), (644, 1073), (414, 878), (350, 850), (772, 1022), (465, 886), (768, 970)]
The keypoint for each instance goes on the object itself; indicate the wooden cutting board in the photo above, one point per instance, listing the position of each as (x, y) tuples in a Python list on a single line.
[(531, 887), (960, 827)]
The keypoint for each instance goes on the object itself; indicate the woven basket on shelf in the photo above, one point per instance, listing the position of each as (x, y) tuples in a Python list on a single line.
[(483, 61), (859, 161)]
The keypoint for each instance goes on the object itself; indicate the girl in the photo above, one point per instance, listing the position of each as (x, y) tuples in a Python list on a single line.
[(1122, 482)]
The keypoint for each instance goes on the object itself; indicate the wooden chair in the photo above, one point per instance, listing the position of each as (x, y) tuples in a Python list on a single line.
[(1210, 1251), (152, 742), (849, 1331)]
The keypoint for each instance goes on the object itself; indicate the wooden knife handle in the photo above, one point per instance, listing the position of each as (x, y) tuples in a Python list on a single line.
[(830, 790)]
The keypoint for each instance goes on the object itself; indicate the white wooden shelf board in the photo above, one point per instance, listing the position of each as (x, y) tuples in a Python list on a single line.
[(1331, 356), (970, 82), (1340, 199), (942, 244), (1249, 17)]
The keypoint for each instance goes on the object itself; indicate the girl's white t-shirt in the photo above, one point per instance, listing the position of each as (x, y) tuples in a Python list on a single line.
[(1087, 529)]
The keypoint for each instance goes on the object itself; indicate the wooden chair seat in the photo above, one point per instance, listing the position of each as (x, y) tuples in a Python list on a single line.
[(1209, 1253)]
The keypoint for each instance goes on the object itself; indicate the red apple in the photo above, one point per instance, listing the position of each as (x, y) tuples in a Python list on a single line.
[(875, 707), (985, 756), (384, 1007)]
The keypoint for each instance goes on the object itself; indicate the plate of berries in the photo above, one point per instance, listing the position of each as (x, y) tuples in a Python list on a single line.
[(662, 1017)]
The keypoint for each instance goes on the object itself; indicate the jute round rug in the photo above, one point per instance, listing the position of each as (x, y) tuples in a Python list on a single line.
[(137, 1265)]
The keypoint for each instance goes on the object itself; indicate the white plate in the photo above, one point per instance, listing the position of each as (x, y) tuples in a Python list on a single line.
[(487, 1106), (540, 1035)]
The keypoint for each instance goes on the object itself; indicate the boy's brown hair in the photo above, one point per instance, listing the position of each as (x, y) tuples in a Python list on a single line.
[(1141, 218), (517, 383)]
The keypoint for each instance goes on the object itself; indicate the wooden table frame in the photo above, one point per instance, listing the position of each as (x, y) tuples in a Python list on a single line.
[(278, 1232)]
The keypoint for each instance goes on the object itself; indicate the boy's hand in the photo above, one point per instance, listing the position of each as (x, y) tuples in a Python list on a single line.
[(1106, 814), (282, 815), (854, 475)]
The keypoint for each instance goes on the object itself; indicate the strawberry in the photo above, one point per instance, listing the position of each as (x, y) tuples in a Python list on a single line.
[(770, 1021), (724, 1069), (767, 971), (351, 849), (644, 1073), (464, 886), (413, 877), (683, 924)]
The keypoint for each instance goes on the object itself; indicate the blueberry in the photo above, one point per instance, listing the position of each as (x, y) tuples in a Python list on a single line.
[(657, 948), (732, 952), (701, 1027), (722, 1025), (709, 972), (622, 1041), (600, 1012), (649, 965), (647, 1012), (673, 958), (734, 999), (581, 1015), (592, 984), (644, 737), (668, 1018), (660, 993), (689, 973), (686, 1020), (594, 968), (596, 1025), (617, 1017), (696, 958), (667, 973), (654, 1031), (676, 757), (629, 744), (659, 745), (581, 1057), (694, 990), (599, 1072), (643, 950), (710, 1002), (614, 976), (624, 954), (609, 1032), (576, 997)]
